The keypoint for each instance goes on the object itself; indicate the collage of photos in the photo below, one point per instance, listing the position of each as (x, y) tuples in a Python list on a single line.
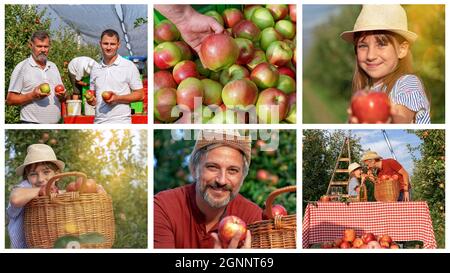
[(334, 175)]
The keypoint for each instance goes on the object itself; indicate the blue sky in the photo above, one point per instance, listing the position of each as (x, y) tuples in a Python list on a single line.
[(374, 140)]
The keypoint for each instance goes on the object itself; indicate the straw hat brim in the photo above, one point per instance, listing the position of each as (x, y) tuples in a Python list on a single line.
[(21, 168), (408, 35), (369, 157)]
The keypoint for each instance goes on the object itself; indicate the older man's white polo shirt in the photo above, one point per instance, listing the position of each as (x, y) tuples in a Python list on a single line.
[(121, 77), (26, 76)]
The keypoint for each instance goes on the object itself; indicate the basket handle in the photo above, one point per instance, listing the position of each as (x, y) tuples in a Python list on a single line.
[(273, 195), (53, 180)]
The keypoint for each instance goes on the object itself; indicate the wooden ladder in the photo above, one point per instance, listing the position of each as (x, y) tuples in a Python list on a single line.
[(340, 176)]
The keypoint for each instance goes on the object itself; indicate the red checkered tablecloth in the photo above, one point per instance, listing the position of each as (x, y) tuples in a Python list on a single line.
[(403, 221)]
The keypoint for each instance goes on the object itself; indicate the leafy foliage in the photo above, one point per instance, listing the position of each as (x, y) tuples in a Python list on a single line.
[(320, 151), (329, 66), (116, 159), (21, 21), (428, 180), (171, 167)]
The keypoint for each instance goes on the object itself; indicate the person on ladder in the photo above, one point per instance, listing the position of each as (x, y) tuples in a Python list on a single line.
[(389, 167)]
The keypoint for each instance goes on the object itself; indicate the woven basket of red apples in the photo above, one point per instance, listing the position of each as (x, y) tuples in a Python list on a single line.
[(280, 229), (83, 213)]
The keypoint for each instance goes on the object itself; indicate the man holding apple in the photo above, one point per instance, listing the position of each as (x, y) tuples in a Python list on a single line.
[(116, 82), (189, 216), (388, 167), (33, 82)]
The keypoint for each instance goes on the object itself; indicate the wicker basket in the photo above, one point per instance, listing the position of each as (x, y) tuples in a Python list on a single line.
[(278, 232), (387, 190), (69, 215)]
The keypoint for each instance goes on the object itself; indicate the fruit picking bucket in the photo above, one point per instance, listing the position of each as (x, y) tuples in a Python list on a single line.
[(387, 190), (73, 107), (73, 219), (277, 232)]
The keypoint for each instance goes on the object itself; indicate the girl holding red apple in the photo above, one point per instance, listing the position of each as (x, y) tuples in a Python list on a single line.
[(382, 45)]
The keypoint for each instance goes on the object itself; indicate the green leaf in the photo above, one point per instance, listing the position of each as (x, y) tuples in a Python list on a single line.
[(92, 238)]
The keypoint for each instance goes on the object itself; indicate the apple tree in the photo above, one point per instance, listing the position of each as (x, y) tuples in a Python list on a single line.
[(428, 179)]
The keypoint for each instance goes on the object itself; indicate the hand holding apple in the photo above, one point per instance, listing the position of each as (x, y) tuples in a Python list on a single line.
[(108, 96), (370, 107), (235, 242), (38, 94), (232, 231)]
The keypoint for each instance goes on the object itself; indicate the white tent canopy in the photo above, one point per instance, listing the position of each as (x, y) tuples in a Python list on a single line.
[(89, 21)]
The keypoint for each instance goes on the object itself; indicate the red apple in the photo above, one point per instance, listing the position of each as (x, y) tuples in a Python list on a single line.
[(166, 55), (395, 177), (184, 70), (394, 246), (279, 53), (214, 14), (385, 238), (279, 210), (239, 94), (287, 71), (234, 72), (272, 106), (373, 107), (89, 95), (212, 92), (59, 89), (349, 235), (278, 11), (188, 91), (293, 12), (345, 244), (258, 57), (232, 16), (164, 101), (285, 28), (368, 237), (185, 49), (71, 187), (229, 226), (262, 18), (106, 95), (325, 198), (45, 88), (373, 245), (338, 242), (286, 84), (262, 175), (268, 36), (219, 51), (163, 79), (246, 29), (265, 75), (246, 51), (357, 243), (89, 186), (166, 31)]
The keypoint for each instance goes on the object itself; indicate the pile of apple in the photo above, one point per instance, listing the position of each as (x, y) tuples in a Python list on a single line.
[(367, 240), (247, 74), (90, 186)]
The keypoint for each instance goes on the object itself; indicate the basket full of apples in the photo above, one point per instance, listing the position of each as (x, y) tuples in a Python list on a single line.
[(81, 216), (279, 230), (367, 240), (247, 74), (387, 188)]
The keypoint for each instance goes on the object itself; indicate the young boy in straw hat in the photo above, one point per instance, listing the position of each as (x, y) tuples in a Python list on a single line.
[(382, 44), (189, 216), (390, 167), (39, 166)]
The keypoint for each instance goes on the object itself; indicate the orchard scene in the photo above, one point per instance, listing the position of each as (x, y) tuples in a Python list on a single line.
[(329, 61), (270, 169), (247, 74), (116, 160), (422, 155)]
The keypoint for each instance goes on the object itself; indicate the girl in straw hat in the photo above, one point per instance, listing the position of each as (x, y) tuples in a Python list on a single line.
[(39, 166), (382, 45), (355, 171)]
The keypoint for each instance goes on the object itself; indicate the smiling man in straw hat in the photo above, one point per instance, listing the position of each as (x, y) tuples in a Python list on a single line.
[(188, 216), (389, 167), (39, 166)]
